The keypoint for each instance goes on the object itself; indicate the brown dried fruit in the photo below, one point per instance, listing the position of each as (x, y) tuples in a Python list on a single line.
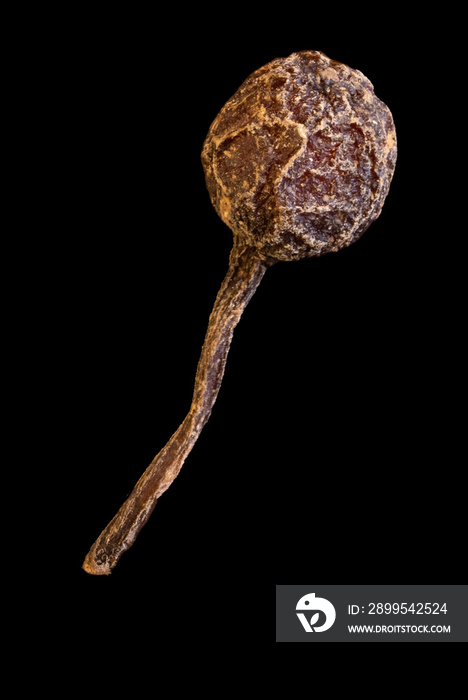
[(297, 163)]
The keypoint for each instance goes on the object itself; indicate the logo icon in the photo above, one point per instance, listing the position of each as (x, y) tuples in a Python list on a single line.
[(310, 602)]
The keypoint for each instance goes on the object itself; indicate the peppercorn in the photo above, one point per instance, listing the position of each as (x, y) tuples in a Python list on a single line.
[(297, 163)]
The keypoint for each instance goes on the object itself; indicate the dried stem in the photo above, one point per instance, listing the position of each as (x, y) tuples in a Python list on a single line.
[(245, 272)]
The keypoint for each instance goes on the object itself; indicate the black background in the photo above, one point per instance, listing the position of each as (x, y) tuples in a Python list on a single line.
[(333, 443)]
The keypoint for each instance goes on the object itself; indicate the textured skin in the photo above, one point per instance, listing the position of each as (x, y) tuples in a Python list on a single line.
[(299, 161)]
